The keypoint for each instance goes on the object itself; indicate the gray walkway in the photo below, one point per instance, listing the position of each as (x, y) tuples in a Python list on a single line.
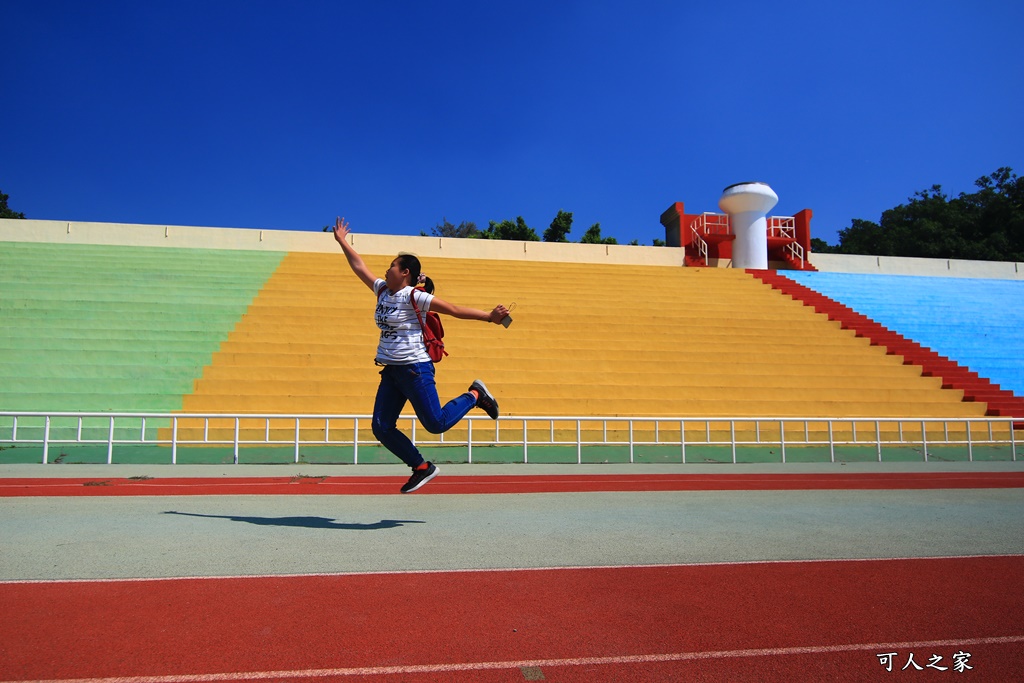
[(157, 536)]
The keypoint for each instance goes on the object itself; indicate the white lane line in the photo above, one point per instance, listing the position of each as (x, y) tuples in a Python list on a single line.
[(479, 570), (541, 663)]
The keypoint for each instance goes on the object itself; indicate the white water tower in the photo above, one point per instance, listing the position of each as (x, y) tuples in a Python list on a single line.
[(748, 205)]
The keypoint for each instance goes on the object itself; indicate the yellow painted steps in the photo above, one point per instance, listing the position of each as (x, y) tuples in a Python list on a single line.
[(618, 406), (669, 374), (587, 340), (605, 387)]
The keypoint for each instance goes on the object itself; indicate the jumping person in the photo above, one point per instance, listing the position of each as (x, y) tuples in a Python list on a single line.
[(407, 372)]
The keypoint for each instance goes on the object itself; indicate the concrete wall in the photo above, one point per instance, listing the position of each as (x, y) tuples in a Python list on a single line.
[(13, 230), (891, 265)]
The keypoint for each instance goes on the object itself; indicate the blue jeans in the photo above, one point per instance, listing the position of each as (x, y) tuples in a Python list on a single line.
[(402, 383)]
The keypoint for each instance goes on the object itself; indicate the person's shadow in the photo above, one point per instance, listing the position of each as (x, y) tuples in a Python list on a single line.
[(306, 522)]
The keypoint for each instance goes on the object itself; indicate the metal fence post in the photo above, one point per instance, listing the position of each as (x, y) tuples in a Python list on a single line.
[(110, 442), (630, 441), (924, 439), (732, 436), (782, 439), (526, 450), (355, 441), (579, 442), (878, 438), (682, 438), (831, 443), (46, 440), (970, 446)]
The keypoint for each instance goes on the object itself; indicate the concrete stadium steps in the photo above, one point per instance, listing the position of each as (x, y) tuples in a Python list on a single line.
[(615, 404), (129, 400), (977, 322), (748, 346), (586, 340), (122, 372), (260, 360), (604, 371), (932, 306), (144, 327), (318, 397), (115, 328)]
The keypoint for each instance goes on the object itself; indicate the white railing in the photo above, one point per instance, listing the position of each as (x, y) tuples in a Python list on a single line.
[(707, 224), (702, 246), (782, 226), (797, 252), (174, 430), (718, 224), (712, 224), (785, 227)]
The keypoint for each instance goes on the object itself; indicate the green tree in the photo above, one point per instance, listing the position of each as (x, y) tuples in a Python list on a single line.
[(820, 246), (864, 237), (998, 207), (593, 236), (987, 225), (447, 229), (6, 212), (510, 230), (559, 228)]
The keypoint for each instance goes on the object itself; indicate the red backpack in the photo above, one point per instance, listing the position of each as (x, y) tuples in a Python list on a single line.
[(433, 331)]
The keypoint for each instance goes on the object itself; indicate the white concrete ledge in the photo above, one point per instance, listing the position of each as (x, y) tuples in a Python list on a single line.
[(65, 232), (892, 265), (249, 239)]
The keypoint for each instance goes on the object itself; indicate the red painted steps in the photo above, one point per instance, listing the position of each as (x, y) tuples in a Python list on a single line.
[(693, 261), (797, 265), (1000, 402)]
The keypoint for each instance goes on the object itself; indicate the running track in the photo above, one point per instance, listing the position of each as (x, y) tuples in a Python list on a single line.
[(817, 619), (369, 485)]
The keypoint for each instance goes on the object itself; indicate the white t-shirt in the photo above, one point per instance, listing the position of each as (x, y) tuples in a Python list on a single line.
[(401, 336)]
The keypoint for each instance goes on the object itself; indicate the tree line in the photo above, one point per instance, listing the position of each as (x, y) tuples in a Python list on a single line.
[(985, 225), (6, 212), (518, 230)]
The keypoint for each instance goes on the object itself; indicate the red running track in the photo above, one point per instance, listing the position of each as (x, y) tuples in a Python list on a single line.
[(377, 485), (779, 621)]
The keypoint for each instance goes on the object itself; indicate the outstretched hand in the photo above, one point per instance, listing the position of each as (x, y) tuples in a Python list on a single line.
[(340, 230), (497, 314)]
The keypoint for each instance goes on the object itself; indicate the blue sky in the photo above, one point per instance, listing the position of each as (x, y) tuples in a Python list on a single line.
[(282, 115)]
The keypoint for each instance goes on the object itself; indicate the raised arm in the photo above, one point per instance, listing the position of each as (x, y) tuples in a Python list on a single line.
[(494, 316), (355, 261)]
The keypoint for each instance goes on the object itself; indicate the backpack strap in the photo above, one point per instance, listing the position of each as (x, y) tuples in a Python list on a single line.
[(412, 300), (435, 347)]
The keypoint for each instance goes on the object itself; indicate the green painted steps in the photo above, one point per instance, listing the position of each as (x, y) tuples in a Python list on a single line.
[(118, 328)]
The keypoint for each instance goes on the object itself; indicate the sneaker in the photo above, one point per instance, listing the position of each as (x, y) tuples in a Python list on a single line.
[(420, 477), (486, 401)]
